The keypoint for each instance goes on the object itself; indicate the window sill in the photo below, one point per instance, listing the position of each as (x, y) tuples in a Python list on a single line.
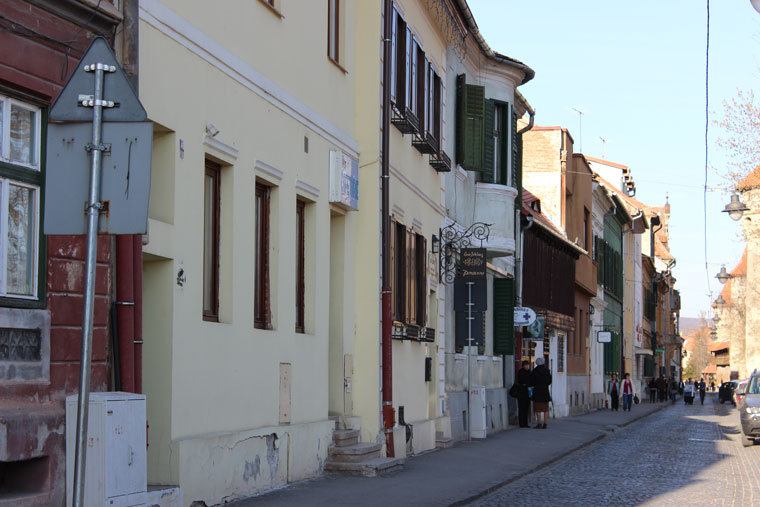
[(335, 62), (272, 9)]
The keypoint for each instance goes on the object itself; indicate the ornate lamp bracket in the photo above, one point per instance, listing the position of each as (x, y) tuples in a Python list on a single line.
[(453, 239)]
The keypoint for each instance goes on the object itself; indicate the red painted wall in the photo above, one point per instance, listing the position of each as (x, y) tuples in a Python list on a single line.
[(39, 52)]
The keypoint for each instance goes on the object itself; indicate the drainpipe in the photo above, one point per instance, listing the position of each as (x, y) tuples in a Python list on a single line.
[(387, 348), (519, 228), (129, 247)]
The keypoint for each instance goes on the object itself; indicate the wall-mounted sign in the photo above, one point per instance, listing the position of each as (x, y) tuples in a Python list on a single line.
[(659, 350), (344, 180), (472, 263), (524, 316), (604, 336)]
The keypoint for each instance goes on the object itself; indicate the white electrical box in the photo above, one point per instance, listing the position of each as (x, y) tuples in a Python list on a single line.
[(478, 412), (115, 466)]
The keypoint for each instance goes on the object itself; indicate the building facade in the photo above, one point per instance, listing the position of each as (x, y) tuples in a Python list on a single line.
[(41, 278), (251, 226)]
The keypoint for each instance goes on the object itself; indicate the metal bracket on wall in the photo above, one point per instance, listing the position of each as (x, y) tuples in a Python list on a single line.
[(452, 240)]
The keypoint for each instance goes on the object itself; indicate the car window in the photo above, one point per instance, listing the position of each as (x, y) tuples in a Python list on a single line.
[(754, 386)]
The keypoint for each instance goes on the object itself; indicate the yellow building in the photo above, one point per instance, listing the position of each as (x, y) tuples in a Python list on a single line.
[(249, 290), (419, 108)]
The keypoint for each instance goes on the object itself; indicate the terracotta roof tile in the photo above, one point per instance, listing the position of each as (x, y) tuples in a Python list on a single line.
[(719, 346), (750, 181), (710, 368)]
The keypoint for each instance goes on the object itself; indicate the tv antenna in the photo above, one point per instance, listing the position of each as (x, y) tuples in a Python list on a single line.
[(580, 126)]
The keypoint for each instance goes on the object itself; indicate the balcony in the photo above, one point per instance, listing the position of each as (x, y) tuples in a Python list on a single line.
[(401, 331), (405, 120), (585, 274), (440, 162), (425, 143), (495, 205)]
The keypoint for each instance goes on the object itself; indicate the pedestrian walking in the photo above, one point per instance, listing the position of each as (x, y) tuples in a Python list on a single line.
[(627, 390), (652, 390), (673, 388), (613, 390), (702, 388), (541, 379), (712, 386), (662, 387), (680, 387), (523, 398)]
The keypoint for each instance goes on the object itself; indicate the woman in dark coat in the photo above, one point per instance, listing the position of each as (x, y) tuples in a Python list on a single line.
[(541, 379), (523, 400)]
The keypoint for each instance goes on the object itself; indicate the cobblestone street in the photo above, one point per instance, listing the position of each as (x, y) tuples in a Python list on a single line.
[(687, 455)]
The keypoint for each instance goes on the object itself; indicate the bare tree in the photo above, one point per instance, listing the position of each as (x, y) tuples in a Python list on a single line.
[(741, 135)]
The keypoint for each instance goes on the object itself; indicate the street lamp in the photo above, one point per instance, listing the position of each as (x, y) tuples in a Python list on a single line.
[(723, 276), (720, 302), (716, 319), (755, 4), (736, 207)]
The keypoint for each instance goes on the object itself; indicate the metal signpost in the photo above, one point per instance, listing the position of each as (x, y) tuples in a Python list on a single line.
[(458, 263), (74, 105)]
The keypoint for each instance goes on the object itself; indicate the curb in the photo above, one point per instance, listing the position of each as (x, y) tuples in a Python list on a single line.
[(491, 489)]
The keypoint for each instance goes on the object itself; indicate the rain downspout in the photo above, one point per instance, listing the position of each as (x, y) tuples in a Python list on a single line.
[(387, 348), (518, 225)]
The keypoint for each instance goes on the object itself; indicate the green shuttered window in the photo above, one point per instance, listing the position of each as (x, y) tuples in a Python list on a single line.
[(470, 118), (503, 316), (516, 161)]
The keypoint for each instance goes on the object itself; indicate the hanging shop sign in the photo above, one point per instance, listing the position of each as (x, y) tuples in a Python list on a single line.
[(524, 316), (472, 264), (604, 336), (535, 331)]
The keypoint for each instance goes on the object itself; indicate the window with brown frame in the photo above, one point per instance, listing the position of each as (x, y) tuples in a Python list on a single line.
[(398, 61), (333, 30), (408, 276), (300, 285), (211, 206), (262, 314), (422, 88)]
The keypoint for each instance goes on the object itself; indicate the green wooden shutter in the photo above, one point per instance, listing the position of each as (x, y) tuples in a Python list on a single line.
[(488, 159), (470, 111), (503, 316), (516, 159)]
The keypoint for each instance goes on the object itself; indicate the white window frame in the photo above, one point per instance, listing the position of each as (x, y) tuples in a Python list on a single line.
[(4, 192), (5, 135)]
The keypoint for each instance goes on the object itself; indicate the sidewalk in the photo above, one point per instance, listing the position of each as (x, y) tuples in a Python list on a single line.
[(462, 472)]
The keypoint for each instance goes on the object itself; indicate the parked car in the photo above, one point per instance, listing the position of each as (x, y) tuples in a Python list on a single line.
[(749, 410), (726, 391), (740, 385)]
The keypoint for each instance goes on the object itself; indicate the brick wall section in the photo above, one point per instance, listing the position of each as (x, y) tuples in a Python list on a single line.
[(65, 299)]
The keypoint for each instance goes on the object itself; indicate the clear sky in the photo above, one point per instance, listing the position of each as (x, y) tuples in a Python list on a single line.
[(637, 71)]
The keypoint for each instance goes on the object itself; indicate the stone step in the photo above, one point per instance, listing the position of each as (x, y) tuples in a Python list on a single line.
[(442, 443), (344, 438), (336, 420), (370, 468), (354, 453)]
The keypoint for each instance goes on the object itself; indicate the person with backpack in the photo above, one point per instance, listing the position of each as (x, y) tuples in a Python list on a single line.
[(541, 379)]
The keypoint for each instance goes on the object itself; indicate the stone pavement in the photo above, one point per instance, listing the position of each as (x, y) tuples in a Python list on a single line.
[(461, 473), (686, 455)]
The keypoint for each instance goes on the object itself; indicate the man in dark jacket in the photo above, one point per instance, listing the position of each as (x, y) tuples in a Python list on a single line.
[(702, 388), (541, 379), (523, 400)]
